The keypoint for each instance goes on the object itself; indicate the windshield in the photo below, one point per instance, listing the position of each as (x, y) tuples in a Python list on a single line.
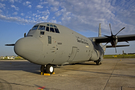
[(35, 27), (42, 27)]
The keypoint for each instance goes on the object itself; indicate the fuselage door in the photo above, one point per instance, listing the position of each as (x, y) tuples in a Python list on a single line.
[(73, 54)]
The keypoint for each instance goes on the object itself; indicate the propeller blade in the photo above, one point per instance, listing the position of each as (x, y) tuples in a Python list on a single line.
[(120, 30), (115, 50), (107, 36), (110, 29), (106, 44), (24, 34), (9, 44)]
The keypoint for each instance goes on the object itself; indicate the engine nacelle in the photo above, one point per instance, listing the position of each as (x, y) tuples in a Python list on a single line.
[(114, 41)]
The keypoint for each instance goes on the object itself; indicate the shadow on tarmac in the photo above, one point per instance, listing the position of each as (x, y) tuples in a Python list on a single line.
[(19, 65), (33, 68)]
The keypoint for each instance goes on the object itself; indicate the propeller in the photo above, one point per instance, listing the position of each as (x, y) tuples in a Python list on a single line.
[(120, 30), (110, 29), (113, 38), (9, 44), (14, 44), (115, 50), (25, 35)]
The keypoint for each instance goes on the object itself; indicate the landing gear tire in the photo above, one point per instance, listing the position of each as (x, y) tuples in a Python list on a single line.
[(49, 69)]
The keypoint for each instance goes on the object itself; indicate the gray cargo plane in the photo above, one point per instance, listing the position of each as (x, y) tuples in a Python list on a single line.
[(49, 44)]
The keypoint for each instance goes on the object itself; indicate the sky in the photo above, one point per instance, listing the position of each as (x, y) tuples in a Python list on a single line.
[(83, 16)]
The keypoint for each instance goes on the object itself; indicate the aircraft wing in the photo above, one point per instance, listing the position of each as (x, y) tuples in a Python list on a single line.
[(120, 38), (110, 46)]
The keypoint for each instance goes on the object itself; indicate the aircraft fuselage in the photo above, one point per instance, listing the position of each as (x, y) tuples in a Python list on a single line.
[(48, 43)]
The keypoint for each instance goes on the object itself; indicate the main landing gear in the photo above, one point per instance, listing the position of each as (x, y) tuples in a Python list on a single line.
[(48, 69)]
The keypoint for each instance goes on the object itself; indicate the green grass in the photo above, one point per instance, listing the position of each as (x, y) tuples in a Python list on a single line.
[(120, 56), (105, 56), (16, 58)]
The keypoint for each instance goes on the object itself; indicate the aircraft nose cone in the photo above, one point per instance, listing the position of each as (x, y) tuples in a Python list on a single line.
[(29, 48)]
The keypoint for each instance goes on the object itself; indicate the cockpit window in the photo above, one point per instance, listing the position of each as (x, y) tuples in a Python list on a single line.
[(51, 25), (56, 30), (35, 27), (47, 29), (51, 29), (54, 26), (42, 27)]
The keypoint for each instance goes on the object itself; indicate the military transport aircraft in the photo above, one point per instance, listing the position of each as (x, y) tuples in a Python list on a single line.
[(49, 44)]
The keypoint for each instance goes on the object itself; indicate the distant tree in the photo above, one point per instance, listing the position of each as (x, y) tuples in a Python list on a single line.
[(6, 57)]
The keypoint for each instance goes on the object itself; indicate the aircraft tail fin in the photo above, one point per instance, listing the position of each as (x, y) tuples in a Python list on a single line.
[(99, 35), (99, 32)]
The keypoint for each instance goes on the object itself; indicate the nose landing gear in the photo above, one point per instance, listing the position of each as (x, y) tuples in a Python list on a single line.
[(98, 62), (48, 69)]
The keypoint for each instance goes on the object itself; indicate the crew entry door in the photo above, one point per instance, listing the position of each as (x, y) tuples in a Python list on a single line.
[(73, 54)]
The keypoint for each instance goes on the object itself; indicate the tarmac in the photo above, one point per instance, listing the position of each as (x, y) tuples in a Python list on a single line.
[(112, 74)]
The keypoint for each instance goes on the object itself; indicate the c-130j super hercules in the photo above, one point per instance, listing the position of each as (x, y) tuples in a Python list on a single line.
[(49, 44)]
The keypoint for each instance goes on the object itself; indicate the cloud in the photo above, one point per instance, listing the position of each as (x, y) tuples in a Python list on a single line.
[(54, 8), (82, 15), (2, 5), (15, 13), (17, 19), (39, 6), (22, 14), (12, 1), (86, 15), (54, 2), (13, 6), (44, 17), (1, 11), (29, 6), (27, 3), (46, 12), (43, 2)]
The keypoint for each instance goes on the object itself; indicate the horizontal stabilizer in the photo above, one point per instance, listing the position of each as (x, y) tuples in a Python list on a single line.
[(9, 44), (109, 46)]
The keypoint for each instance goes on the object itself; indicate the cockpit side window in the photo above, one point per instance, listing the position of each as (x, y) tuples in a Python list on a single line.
[(35, 27), (47, 29), (51, 29), (42, 27), (56, 30)]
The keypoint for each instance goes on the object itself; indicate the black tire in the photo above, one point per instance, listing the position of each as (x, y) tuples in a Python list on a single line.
[(49, 69), (98, 62)]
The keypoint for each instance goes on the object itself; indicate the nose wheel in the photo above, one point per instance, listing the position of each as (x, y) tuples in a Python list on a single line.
[(48, 69), (98, 62)]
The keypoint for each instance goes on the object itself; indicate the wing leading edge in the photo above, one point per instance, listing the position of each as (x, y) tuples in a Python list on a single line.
[(120, 38)]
